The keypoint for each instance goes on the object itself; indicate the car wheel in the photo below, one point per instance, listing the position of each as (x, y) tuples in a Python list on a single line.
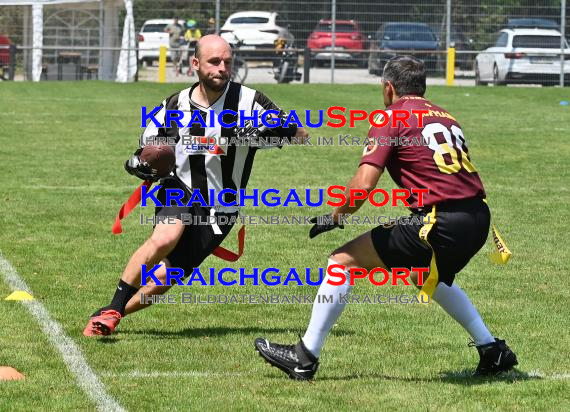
[(282, 78), (361, 62), (312, 62), (370, 65), (496, 80), (373, 68), (478, 81)]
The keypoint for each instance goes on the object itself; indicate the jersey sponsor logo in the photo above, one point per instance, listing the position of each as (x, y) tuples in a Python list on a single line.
[(203, 145)]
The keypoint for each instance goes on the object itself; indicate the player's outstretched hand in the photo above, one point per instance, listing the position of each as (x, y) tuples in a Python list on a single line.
[(140, 169), (323, 224)]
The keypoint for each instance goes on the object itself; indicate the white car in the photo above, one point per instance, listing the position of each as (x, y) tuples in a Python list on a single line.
[(255, 30), (152, 36), (523, 56)]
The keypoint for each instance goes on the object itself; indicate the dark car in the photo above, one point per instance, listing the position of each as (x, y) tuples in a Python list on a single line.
[(532, 23), (462, 43), (416, 39)]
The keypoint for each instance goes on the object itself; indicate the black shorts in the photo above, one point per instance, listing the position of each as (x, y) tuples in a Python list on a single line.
[(198, 240), (460, 231)]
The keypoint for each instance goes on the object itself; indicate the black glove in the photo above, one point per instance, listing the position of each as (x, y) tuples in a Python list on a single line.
[(322, 225), (248, 131), (140, 169)]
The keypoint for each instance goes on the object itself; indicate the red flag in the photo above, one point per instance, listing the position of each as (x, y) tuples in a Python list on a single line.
[(134, 200), (129, 205)]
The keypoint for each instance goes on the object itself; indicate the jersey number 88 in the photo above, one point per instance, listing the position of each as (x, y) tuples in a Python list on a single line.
[(450, 142)]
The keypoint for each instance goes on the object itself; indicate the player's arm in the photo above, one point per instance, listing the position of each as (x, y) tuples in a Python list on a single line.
[(302, 134), (365, 179), (276, 116)]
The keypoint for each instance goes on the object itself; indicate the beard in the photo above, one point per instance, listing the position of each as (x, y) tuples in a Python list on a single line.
[(216, 84)]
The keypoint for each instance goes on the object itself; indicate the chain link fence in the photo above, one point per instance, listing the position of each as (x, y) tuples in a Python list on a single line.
[(499, 42)]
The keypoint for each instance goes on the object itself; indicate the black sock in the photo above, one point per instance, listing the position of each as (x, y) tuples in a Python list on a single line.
[(123, 294)]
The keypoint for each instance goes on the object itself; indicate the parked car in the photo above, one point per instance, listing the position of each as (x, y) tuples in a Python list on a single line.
[(256, 30), (4, 51), (461, 42), (522, 56), (348, 37), (416, 39), (152, 36), (532, 23), (5, 63)]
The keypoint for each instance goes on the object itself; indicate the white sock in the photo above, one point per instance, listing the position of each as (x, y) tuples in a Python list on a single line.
[(456, 303), (324, 315)]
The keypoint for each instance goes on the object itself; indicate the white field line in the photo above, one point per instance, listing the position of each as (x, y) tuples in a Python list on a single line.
[(87, 380), (196, 374), (173, 374), (554, 376)]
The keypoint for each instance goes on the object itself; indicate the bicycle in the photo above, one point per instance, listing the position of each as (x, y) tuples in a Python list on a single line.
[(239, 65)]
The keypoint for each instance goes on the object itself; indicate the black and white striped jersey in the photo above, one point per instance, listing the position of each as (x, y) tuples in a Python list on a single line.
[(226, 166)]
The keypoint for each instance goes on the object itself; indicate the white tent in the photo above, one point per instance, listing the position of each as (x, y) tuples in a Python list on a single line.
[(127, 65)]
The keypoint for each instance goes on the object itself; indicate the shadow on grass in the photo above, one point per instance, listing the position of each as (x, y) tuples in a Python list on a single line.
[(463, 377), (217, 331)]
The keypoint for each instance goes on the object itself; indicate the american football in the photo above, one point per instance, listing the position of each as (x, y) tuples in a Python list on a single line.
[(160, 158)]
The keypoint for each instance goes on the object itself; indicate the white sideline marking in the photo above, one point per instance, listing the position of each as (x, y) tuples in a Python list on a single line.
[(554, 376), (187, 374), (72, 356), (196, 374)]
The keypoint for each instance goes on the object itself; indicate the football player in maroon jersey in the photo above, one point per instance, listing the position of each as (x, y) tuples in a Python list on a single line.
[(455, 203)]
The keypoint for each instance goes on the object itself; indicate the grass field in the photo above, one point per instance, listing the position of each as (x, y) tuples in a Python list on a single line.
[(63, 146)]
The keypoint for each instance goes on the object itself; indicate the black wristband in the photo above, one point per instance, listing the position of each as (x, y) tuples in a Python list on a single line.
[(287, 131)]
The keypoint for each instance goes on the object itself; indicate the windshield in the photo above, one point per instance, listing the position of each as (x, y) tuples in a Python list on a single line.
[(340, 28), (154, 28), (249, 20), (406, 33), (537, 42)]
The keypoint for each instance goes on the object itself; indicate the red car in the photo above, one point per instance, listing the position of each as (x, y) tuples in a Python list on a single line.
[(348, 37)]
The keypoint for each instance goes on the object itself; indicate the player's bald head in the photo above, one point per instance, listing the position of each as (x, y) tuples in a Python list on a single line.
[(211, 43)]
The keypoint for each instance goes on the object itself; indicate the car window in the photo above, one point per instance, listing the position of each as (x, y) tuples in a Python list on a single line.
[(154, 28), (249, 20), (540, 42), (280, 21), (340, 27), (502, 40), (403, 33)]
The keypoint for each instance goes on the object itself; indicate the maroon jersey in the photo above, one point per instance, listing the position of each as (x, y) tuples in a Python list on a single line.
[(433, 157)]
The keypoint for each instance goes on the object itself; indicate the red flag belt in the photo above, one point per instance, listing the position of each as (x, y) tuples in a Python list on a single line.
[(134, 200)]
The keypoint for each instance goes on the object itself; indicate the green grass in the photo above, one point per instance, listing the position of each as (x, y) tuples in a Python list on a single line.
[(63, 146)]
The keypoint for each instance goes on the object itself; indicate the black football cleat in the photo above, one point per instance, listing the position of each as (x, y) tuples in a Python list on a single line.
[(295, 360), (495, 358)]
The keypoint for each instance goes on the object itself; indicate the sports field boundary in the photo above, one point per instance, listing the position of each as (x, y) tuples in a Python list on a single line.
[(72, 356)]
